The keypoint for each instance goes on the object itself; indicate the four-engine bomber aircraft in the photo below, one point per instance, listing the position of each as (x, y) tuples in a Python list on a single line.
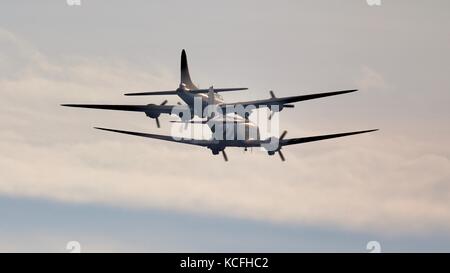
[(190, 94)]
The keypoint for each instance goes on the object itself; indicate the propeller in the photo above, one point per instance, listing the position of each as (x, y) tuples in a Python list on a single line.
[(185, 124), (271, 114), (279, 150), (225, 157), (247, 116), (272, 94), (157, 118), (281, 106)]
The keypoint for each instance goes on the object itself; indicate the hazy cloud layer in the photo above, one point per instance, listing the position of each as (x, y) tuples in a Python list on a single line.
[(382, 182)]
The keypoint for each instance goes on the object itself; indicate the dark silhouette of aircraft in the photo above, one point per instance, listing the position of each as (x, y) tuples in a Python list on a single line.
[(189, 93)]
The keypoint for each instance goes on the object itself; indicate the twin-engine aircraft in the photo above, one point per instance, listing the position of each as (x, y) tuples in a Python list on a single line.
[(203, 98)]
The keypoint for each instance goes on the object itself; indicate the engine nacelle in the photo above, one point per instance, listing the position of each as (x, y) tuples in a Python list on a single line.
[(216, 149), (277, 108), (152, 114), (185, 116), (272, 145)]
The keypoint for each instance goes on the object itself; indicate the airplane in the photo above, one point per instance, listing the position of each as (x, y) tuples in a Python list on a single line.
[(190, 93)]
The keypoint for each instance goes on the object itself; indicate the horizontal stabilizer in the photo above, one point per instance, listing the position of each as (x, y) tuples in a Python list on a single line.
[(190, 121), (195, 91), (170, 92), (220, 120), (219, 90)]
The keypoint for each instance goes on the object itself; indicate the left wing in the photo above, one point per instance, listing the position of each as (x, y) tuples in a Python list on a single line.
[(150, 110), (285, 100), (162, 109), (197, 142)]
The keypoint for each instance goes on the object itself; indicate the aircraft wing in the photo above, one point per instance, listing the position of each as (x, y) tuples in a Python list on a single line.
[(163, 109), (197, 142), (292, 141), (248, 143), (285, 100)]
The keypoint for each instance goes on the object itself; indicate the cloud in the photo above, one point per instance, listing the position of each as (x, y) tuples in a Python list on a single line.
[(382, 182)]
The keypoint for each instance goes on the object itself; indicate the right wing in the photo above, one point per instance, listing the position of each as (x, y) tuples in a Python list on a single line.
[(285, 100), (162, 109), (292, 141)]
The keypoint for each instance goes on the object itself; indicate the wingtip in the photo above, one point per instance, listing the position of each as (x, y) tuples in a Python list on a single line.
[(136, 94), (101, 128), (348, 91)]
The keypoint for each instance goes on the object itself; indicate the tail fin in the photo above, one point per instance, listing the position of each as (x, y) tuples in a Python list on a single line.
[(185, 77)]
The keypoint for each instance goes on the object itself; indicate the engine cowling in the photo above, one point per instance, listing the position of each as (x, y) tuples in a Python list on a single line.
[(185, 116), (152, 114), (273, 145)]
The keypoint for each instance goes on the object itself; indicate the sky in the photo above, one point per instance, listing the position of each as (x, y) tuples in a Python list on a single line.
[(61, 180)]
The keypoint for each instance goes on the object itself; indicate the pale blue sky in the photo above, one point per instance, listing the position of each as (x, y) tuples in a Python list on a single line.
[(37, 225), (60, 180)]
